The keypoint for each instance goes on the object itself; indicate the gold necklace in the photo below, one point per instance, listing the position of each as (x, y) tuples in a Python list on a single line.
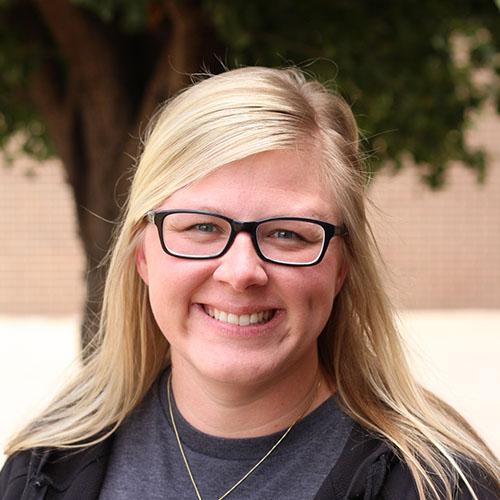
[(169, 385)]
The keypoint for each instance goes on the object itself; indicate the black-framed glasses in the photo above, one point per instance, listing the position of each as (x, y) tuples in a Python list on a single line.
[(291, 241)]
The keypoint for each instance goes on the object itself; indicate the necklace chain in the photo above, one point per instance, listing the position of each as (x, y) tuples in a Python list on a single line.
[(181, 449)]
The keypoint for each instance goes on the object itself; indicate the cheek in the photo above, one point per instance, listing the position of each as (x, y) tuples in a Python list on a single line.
[(162, 273), (168, 285), (169, 299), (173, 285), (322, 295), (160, 277), (313, 296), (326, 281)]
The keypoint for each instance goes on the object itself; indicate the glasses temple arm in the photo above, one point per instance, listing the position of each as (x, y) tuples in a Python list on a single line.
[(341, 230)]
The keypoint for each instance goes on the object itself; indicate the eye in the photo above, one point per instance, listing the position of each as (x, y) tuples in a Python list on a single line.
[(204, 227), (285, 234)]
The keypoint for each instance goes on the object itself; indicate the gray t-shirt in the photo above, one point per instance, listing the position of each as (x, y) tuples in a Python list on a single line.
[(146, 462)]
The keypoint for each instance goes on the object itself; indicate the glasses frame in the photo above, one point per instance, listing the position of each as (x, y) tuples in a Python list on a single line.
[(250, 227)]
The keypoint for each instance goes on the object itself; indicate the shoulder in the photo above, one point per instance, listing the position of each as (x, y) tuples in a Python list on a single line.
[(13, 475), (58, 474), (481, 483), (369, 469)]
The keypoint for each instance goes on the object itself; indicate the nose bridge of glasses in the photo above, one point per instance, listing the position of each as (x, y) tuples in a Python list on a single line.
[(244, 227)]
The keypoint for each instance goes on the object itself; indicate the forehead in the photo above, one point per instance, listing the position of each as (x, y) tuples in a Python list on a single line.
[(267, 184)]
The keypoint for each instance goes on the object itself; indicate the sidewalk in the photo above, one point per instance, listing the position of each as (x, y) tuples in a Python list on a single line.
[(456, 354)]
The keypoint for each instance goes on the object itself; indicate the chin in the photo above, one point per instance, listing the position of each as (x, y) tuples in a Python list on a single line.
[(239, 371)]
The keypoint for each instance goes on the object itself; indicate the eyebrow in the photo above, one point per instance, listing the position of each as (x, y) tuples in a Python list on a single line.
[(306, 213), (205, 208)]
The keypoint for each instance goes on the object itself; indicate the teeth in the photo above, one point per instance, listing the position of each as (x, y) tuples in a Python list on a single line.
[(232, 318), (243, 320)]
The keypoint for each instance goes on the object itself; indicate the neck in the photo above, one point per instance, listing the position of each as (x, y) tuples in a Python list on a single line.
[(248, 410)]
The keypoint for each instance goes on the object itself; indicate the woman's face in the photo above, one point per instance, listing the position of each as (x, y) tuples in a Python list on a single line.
[(296, 301)]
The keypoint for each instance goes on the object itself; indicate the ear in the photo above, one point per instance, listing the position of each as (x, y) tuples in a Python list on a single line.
[(344, 268), (141, 263)]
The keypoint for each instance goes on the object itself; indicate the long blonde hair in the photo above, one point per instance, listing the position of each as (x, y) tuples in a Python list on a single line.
[(216, 121)]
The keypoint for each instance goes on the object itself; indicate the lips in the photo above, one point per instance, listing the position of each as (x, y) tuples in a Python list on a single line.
[(254, 318)]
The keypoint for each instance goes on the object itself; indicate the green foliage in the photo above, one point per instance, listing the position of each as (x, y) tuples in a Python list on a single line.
[(408, 68), (396, 62), (18, 119), (130, 15)]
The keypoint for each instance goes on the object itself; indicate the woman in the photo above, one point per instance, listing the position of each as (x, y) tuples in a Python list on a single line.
[(247, 348)]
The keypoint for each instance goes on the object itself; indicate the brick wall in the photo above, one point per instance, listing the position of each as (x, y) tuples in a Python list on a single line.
[(41, 260), (443, 248)]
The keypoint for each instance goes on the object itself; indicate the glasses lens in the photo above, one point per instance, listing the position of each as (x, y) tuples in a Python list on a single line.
[(291, 241), (195, 235)]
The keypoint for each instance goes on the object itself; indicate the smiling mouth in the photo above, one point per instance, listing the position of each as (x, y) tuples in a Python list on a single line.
[(255, 318)]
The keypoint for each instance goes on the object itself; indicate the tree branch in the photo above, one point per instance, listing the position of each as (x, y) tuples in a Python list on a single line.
[(94, 74), (85, 43), (180, 56)]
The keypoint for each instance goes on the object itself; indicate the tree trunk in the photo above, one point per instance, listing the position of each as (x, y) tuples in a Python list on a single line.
[(95, 112)]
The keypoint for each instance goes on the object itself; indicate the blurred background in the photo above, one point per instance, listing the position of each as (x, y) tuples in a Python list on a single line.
[(79, 80)]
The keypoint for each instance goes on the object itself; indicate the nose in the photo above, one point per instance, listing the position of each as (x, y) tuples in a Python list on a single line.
[(240, 266)]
